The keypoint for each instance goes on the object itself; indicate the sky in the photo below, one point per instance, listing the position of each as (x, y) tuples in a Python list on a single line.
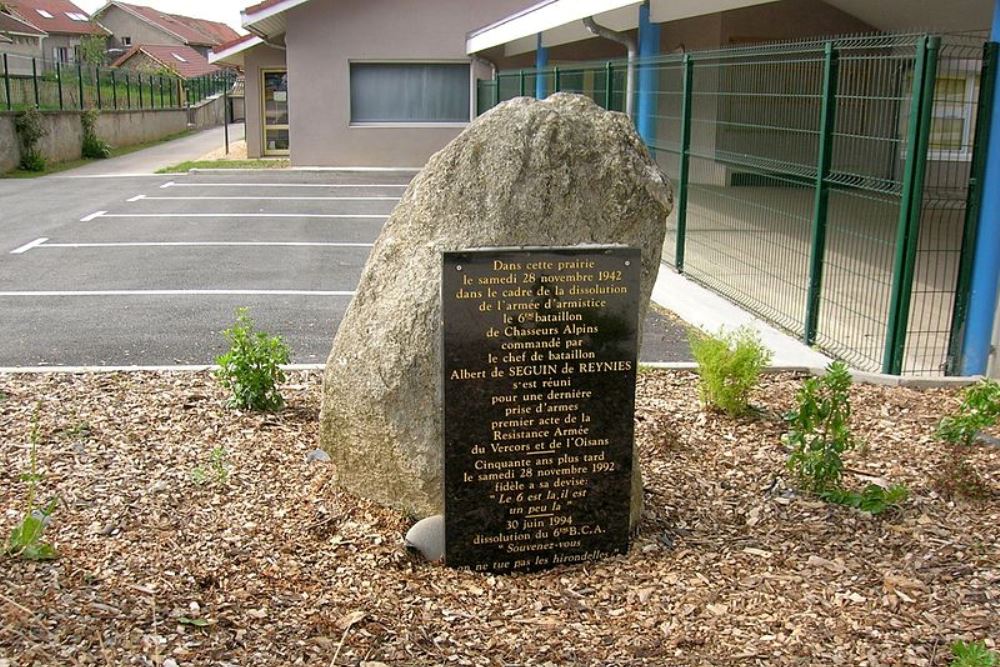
[(227, 11)]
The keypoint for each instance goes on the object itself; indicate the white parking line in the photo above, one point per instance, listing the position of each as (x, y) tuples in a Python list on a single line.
[(153, 244), (281, 185), (179, 292), (166, 185), (105, 214), (374, 198), (28, 246)]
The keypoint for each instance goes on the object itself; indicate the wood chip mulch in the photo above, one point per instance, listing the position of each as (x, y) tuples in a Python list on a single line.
[(274, 566)]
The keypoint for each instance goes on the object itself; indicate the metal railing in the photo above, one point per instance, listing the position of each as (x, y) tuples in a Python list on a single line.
[(828, 186), (38, 83)]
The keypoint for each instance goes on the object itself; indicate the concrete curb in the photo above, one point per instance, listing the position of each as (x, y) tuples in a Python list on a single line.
[(859, 376), (307, 170), (77, 370)]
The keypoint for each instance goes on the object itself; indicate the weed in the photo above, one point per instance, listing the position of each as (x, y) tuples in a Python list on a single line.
[(819, 429), (251, 368), (979, 409), (25, 541), (93, 147), (217, 468), (30, 128), (974, 654), (729, 367)]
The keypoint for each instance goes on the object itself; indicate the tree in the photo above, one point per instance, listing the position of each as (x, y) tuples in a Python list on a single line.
[(92, 49)]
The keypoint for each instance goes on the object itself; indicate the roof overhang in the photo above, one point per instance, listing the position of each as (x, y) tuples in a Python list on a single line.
[(234, 55), (5, 39), (560, 21), (268, 21)]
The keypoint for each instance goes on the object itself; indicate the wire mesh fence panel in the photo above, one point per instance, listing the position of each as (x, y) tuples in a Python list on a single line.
[(823, 185)]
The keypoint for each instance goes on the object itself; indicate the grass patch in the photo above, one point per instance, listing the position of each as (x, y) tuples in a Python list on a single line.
[(225, 164), (73, 164)]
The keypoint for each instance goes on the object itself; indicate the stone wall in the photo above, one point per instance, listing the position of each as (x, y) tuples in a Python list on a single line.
[(208, 113)]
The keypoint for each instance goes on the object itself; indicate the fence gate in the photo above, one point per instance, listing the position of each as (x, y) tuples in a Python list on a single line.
[(828, 186)]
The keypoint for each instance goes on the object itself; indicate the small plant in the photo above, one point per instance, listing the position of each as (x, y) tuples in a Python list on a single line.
[(93, 147), (873, 499), (819, 430), (980, 409), (25, 541), (30, 129), (974, 654), (251, 368), (729, 367), (217, 468)]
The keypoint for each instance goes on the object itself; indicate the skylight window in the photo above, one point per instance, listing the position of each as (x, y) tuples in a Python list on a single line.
[(44, 14), (76, 16), (180, 58)]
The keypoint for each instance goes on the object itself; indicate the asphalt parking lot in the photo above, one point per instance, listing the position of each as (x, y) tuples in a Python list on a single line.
[(149, 270)]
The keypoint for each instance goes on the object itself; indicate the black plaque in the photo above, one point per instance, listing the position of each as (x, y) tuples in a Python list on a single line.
[(539, 396)]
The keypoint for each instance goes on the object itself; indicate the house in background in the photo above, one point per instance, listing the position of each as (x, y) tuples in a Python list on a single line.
[(64, 26), (20, 41), (137, 25), (359, 82), (180, 60)]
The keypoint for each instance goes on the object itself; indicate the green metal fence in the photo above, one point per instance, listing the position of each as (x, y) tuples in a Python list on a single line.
[(828, 186), (51, 85)]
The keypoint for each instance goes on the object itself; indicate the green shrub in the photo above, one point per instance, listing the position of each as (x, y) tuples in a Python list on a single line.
[(30, 128), (729, 367), (974, 654), (251, 368), (819, 429), (980, 409), (93, 147)]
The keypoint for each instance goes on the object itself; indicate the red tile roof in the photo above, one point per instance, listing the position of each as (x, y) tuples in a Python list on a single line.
[(10, 23), (199, 32), (59, 10), (231, 43), (193, 64), (261, 6)]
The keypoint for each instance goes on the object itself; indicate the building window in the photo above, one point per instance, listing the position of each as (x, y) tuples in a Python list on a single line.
[(410, 93), (61, 53), (126, 41), (953, 116)]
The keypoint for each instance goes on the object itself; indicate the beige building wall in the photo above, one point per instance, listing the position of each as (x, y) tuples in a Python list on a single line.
[(19, 54), (323, 38), (257, 59), (123, 24)]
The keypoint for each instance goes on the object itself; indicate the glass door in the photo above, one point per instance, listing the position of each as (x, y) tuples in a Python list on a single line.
[(275, 100)]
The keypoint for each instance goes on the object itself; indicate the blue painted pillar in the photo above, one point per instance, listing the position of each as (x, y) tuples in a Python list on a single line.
[(541, 62), (648, 76), (986, 259)]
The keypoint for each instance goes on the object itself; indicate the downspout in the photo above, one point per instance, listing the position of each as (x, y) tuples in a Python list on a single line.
[(629, 44)]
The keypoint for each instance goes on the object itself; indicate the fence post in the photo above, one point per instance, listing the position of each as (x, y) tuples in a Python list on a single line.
[(59, 83), (159, 81), (908, 229), (520, 83), (152, 93), (97, 84), (79, 82), (685, 158), (555, 79), (141, 99), (496, 88), (6, 82), (821, 197), (114, 90), (609, 83), (128, 91), (970, 228), (34, 81)]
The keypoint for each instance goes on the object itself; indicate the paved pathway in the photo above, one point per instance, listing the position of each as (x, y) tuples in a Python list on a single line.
[(148, 160)]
